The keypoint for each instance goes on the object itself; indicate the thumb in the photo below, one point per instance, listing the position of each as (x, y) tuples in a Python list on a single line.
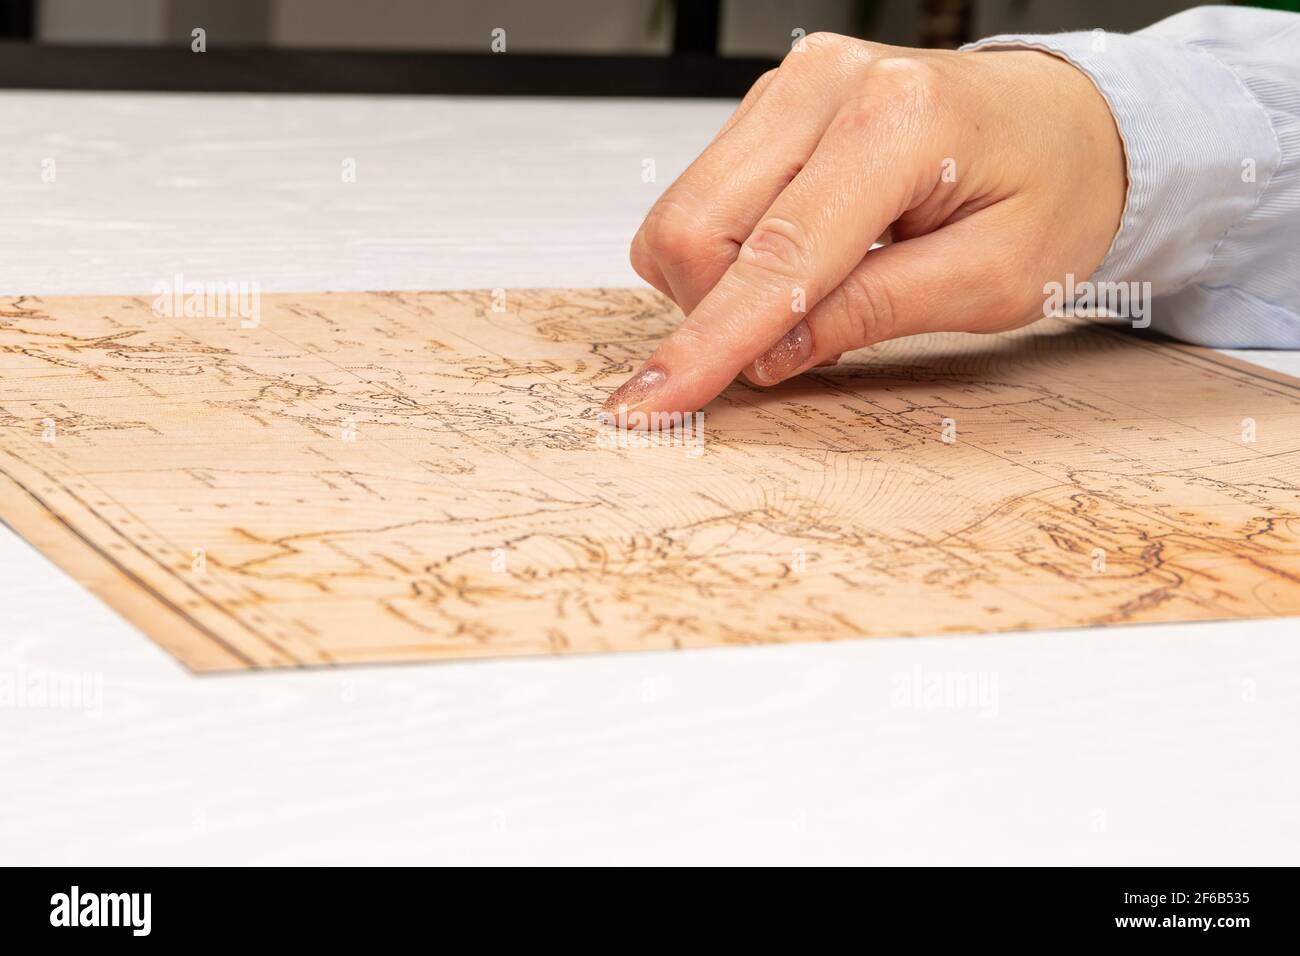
[(973, 275)]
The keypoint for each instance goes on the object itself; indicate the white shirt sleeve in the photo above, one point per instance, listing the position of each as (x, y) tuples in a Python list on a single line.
[(1208, 106)]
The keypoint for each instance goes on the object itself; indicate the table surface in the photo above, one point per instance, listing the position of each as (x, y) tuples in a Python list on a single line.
[(1155, 744)]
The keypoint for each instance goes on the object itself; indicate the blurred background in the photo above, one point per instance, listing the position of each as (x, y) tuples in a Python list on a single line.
[(663, 47)]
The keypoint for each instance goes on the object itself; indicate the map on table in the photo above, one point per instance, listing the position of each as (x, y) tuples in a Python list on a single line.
[(419, 476)]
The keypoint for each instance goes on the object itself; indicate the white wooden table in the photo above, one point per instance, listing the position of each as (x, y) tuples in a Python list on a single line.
[(1157, 744)]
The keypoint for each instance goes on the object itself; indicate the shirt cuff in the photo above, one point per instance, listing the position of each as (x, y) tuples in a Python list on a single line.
[(1199, 148)]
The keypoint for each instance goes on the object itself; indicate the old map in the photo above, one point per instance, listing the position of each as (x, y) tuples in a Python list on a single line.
[(409, 476)]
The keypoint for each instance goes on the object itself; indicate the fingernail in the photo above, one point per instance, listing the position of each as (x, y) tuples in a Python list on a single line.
[(637, 388), (786, 357)]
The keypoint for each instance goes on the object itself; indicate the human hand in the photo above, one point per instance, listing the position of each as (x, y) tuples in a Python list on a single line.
[(989, 173)]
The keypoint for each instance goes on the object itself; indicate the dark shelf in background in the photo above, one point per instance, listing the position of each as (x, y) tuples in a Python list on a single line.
[(33, 66)]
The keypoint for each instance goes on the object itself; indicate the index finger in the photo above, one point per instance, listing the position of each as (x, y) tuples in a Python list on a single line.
[(871, 165)]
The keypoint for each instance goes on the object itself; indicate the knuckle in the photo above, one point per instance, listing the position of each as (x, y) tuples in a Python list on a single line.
[(825, 43), (777, 246), (908, 79), (673, 235), (900, 92), (868, 314)]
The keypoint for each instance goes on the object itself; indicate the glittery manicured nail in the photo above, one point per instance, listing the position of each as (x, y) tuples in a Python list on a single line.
[(786, 357), (637, 388)]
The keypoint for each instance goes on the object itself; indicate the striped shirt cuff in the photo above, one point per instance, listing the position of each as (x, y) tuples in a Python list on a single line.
[(1200, 149)]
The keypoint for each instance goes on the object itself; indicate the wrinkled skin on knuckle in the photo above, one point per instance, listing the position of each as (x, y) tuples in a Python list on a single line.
[(777, 246), (895, 92), (903, 115), (914, 88), (823, 44), (829, 58), (920, 77), (865, 310)]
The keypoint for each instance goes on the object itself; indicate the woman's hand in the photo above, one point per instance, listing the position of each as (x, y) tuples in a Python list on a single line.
[(993, 173)]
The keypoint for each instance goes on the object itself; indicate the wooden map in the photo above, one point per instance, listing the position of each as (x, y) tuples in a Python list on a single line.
[(420, 476)]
